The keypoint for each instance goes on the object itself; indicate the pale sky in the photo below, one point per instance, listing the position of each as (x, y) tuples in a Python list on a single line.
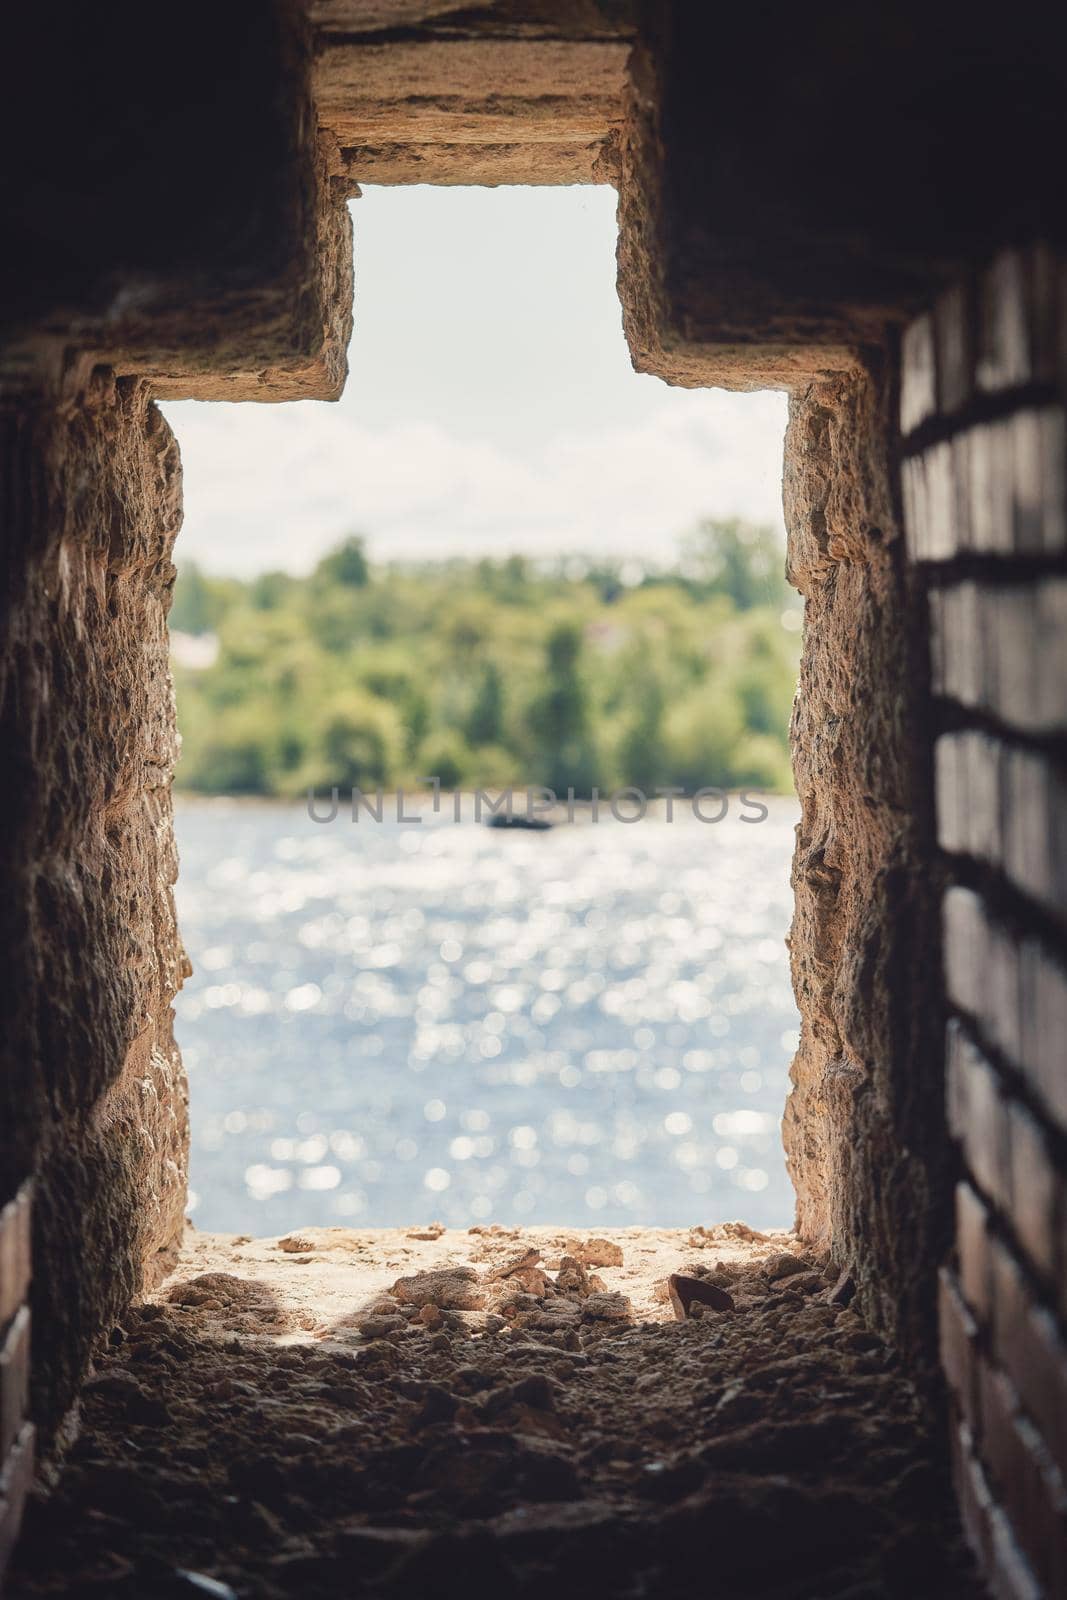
[(490, 407)]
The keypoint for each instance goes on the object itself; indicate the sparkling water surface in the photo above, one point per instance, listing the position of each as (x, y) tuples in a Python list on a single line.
[(389, 1024)]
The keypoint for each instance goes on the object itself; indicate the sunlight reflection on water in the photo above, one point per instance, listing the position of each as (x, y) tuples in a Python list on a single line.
[(387, 1024)]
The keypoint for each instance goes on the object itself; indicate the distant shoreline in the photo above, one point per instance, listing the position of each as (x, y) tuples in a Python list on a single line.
[(422, 801)]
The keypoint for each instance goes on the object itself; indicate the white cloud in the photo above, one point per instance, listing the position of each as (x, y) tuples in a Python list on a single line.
[(491, 406), (275, 486)]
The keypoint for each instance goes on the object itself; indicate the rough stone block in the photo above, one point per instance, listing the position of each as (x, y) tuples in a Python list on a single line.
[(1023, 1475), (972, 1493), (1003, 650), (964, 933), (967, 768), (14, 1254), (960, 652), (1039, 461), (16, 1478), (989, 461), (1004, 342), (954, 337), (918, 374), (972, 1249), (1033, 1190), (1035, 843), (958, 1337), (1043, 1001), (977, 1115), (14, 1379)]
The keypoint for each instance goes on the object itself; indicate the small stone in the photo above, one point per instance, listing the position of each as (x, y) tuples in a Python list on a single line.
[(451, 1288), (430, 1315), (517, 1261), (843, 1290), (596, 1252), (572, 1277), (382, 1327), (610, 1307), (433, 1230), (784, 1265), (295, 1244), (685, 1292)]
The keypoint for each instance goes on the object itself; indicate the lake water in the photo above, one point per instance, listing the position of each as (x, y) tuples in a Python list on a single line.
[(389, 1024)]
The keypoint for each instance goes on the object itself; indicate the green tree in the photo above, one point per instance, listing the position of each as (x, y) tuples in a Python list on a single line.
[(346, 566), (558, 718), (485, 720)]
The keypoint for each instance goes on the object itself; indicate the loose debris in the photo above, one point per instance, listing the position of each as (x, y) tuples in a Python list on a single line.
[(423, 1413)]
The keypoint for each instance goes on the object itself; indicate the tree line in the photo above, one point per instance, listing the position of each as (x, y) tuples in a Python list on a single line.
[(571, 673)]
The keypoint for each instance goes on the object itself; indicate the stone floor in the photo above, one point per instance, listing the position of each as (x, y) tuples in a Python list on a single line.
[(504, 1412)]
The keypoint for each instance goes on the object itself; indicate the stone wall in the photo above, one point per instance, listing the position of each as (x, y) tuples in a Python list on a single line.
[(92, 1101), (985, 440), (864, 1128), (791, 198)]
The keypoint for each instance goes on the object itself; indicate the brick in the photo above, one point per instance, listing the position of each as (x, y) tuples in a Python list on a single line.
[(946, 533), (950, 792), (1013, 689), (972, 1494), (965, 941), (1004, 340), (958, 1337), (1033, 1190), (1016, 990), (14, 1379), (918, 383), (954, 342), (960, 652), (982, 762), (1048, 311), (1039, 461), (16, 1477), (14, 1254), (973, 1252), (990, 464), (1044, 1041), (1035, 838), (1050, 646), (935, 504), (913, 493), (982, 970), (996, 488), (1052, 424), (1011, 1305), (1003, 649), (1042, 1381), (977, 1116), (1001, 1011), (1010, 1574), (1023, 1477)]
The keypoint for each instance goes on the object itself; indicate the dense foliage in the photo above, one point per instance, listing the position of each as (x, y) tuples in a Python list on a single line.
[(486, 673)]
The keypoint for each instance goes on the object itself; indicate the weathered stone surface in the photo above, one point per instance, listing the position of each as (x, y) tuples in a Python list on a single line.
[(864, 1124), (213, 245), (92, 1096), (471, 107), (450, 1288)]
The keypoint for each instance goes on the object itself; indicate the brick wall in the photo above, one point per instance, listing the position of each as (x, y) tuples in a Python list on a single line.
[(984, 439), (16, 1430)]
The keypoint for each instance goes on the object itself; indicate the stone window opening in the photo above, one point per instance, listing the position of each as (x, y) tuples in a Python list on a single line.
[(878, 246), (627, 1104)]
